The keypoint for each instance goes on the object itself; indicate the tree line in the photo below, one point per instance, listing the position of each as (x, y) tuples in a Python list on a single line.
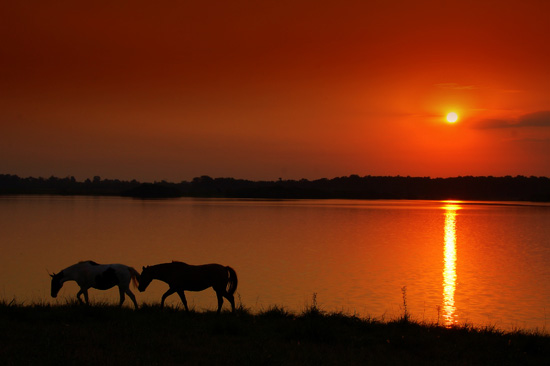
[(508, 188)]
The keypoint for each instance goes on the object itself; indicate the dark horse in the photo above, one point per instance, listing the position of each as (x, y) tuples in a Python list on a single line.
[(181, 277)]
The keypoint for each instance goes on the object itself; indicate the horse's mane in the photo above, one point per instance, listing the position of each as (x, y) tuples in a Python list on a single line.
[(89, 262), (179, 262)]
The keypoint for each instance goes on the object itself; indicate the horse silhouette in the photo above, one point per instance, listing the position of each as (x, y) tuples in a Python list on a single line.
[(89, 274), (185, 277)]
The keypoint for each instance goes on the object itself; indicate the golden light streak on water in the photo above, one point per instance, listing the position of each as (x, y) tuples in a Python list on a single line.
[(449, 270)]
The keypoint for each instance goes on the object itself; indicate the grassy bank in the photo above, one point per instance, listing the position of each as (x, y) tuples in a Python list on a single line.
[(107, 335)]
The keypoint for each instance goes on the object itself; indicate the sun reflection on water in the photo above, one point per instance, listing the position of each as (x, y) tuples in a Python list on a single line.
[(449, 270)]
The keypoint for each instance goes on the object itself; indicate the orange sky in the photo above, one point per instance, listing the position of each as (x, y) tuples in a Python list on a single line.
[(268, 89)]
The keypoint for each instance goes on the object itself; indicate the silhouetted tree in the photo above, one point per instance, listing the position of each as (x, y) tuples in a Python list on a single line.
[(519, 188)]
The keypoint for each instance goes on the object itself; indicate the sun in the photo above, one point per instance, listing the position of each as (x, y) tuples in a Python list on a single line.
[(452, 117)]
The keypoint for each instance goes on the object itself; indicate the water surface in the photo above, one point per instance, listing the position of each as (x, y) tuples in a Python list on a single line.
[(483, 263)]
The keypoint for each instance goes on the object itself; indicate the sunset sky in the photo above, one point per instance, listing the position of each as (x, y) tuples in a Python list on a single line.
[(154, 90)]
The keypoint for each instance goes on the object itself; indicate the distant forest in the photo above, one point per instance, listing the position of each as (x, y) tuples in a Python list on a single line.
[(507, 188)]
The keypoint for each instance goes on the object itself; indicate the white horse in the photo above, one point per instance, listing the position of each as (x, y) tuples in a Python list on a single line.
[(89, 274)]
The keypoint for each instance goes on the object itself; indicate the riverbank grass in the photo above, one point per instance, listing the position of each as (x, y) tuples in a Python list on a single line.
[(104, 334)]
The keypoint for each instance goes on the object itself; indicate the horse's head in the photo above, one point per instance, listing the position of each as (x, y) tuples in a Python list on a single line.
[(145, 279), (56, 283)]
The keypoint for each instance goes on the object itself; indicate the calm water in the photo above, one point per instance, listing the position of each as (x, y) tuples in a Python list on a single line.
[(460, 261)]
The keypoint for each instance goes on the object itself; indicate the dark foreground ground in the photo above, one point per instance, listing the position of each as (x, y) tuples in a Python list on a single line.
[(107, 335)]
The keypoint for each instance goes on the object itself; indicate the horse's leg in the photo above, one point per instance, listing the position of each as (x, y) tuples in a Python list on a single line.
[(122, 298), (220, 300), (78, 296), (132, 297), (231, 299), (166, 294), (85, 293), (183, 299)]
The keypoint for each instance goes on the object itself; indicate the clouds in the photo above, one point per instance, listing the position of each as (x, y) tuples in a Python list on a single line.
[(536, 119), (455, 86)]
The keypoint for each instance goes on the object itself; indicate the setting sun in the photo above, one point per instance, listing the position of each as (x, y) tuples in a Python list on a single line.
[(452, 117)]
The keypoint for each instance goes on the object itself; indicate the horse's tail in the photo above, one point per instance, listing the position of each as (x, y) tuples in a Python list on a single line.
[(232, 281), (134, 275)]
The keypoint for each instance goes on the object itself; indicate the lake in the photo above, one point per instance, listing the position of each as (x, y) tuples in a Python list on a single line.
[(486, 263)]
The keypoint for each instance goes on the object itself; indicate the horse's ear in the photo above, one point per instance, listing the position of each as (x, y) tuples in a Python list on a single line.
[(142, 268), (52, 275)]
